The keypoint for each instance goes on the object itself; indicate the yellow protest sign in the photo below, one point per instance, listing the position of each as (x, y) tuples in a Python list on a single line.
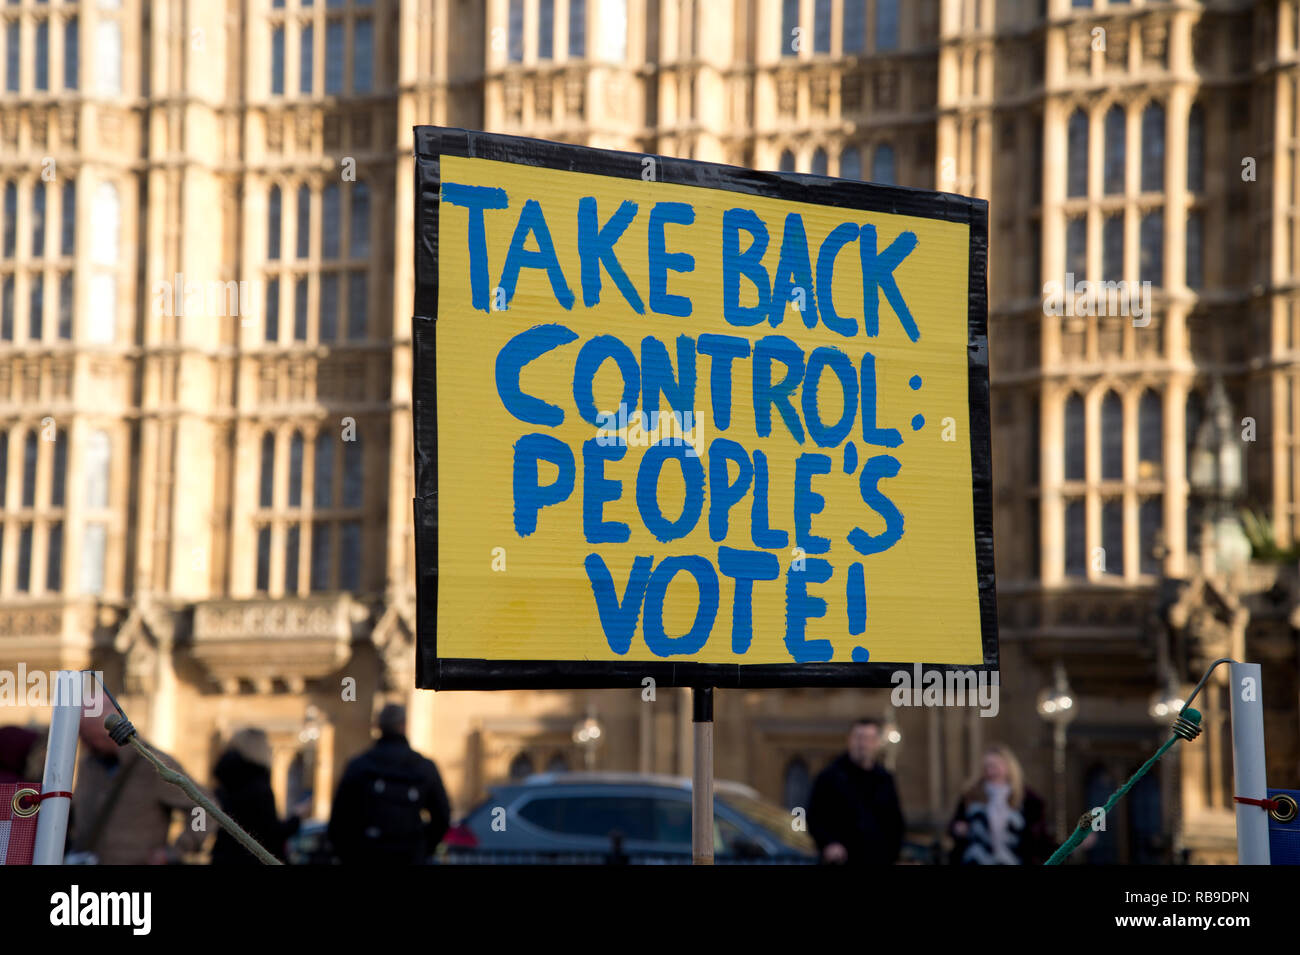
[(703, 424)]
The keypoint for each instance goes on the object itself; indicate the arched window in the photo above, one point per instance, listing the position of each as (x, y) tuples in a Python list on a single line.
[(1112, 438), (363, 55), (359, 221), (1076, 554), (30, 451), (577, 29), (822, 26), (300, 310), (96, 465), (886, 24), (1193, 414), (277, 61), (1076, 247), (108, 223), (7, 311), (266, 497), (796, 783), (1153, 148), (306, 51), (1112, 536), (1195, 250), (331, 221), (263, 559), (38, 220), (545, 29), (272, 316), (1151, 444), (10, 220), (1074, 438), (882, 165), (321, 555), (1112, 248), (1151, 247), (851, 163), (304, 221), (68, 233), (295, 469), (521, 766), (352, 473), (108, 57), (59, 477), (787, 161), (819, 162), (1150, 521), (789, 23), (1077, 155), (273, 224), (323, 483), (71, 39), (854, 36), (1196, 149), (292, 543), (515, 31), (1116, 136)]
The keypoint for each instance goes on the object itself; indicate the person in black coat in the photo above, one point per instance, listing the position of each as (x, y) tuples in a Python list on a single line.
[(999, 820), (390, 807), (243, 777), (853, 813)]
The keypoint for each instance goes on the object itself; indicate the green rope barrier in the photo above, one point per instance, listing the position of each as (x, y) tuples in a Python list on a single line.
[(1187, 727)]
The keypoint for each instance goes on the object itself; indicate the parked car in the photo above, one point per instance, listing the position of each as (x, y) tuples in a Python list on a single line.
[(620, 817)]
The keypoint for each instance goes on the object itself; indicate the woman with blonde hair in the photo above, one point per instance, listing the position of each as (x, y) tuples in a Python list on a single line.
[(999, 821)]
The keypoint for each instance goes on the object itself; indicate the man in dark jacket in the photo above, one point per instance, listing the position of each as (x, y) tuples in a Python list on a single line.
[(853, 813), (390, 807)]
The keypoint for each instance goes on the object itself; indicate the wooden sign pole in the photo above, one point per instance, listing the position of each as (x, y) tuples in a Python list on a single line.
[(702, 777)]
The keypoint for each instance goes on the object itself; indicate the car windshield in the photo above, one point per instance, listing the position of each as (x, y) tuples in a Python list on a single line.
[(773, 819)]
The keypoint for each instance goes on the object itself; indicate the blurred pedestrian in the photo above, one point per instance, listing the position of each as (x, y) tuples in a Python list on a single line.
[(853, 813), (390, 807), (1000, 821), (122, 809), (243, 777)]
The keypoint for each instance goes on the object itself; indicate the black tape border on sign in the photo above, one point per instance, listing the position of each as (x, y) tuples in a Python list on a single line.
[(431, 142)]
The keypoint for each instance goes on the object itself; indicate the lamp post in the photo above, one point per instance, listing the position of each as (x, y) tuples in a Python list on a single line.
[(588, 734), (1056, 706)]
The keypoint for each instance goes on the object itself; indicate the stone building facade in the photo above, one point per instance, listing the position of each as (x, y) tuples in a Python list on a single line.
[(205, 361)]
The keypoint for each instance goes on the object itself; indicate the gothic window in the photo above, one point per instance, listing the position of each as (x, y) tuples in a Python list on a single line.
[(1076, 175), (851, 163), (1074, 438), (1112, 438), (1153, 148), (882, 165)]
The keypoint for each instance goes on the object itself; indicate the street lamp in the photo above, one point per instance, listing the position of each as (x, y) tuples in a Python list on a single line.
[(588, 734), (1056, 705), (1166, 703)]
